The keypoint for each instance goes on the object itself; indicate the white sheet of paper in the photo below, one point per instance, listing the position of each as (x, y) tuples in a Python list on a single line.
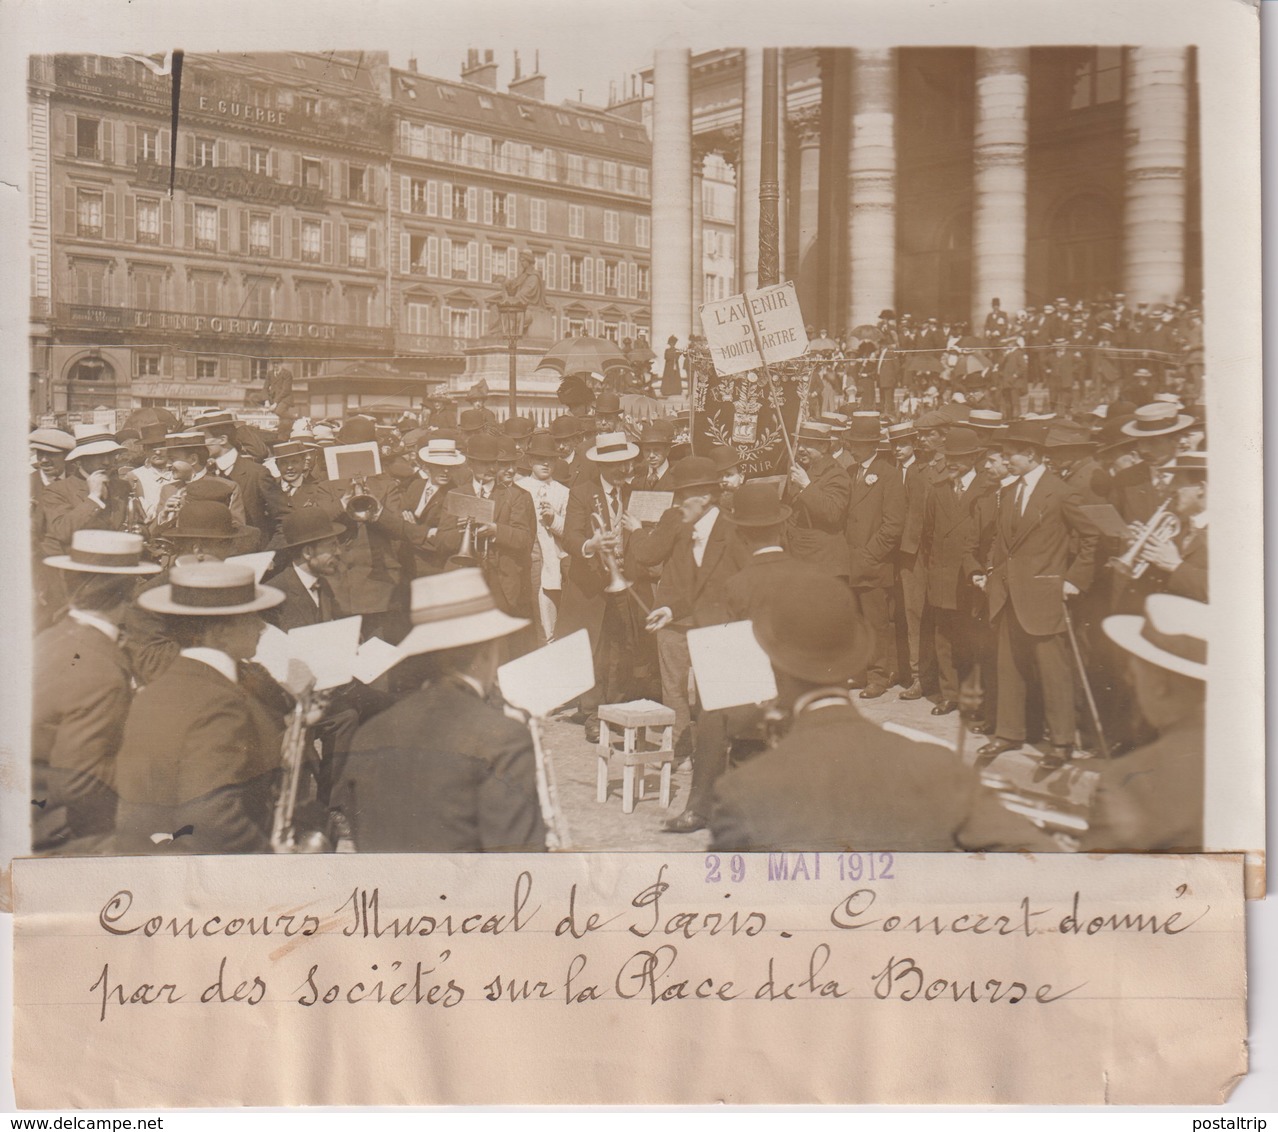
[(541, 681), (649, 506), (259, 562), (274, 649), (730, 667), (374, 657), (329, 648)]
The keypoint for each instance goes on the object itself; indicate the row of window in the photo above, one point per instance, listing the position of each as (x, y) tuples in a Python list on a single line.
[(465, 321), (209, 367), (519, 159)]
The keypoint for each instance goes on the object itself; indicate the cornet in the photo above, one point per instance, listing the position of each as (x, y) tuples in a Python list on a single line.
[(466, 555), (616, 579), (1162, 525), (362, 506)]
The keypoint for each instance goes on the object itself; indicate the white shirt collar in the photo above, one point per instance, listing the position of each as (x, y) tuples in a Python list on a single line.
[(908, 463), (1199, 521), (965, 480), (226, 461), (703, 526), (215, 659), (769, 550), (308, 580), (471, 682), (1007, 480), (96, 621), (1031, 479)]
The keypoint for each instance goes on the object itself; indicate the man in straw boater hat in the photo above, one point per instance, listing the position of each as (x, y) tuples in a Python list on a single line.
[(817, 493), (1154, 431), (49, 448), (89, 496), (188, 458), (1035, 568), (836, 781), (443, 771), (198, 766), (1151, 799), (82, 692)]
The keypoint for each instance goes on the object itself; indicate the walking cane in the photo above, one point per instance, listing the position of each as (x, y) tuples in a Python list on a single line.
[(1087, 687)]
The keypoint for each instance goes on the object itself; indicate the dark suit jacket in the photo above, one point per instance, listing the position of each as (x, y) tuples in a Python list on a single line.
[(264, 502), (442, 772), (298, 607), (1032, 558), (1135, 494), (80, 701), (697, 595), (759, 578), (950, 537), (839, 782), (507, 562), (816, 530), (875, 520), (67, 509), (915, 483), (373, 581), (198, 750), (584, 579)]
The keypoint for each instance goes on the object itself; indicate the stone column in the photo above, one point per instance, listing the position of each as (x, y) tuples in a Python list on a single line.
[(698, 236), (671, 197), (1000, 180), (749, 167), (783, 199), (872, 186), (807, 124), (1157, 153)]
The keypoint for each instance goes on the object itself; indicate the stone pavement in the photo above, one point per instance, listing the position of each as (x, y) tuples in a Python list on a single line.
[(599, 827)]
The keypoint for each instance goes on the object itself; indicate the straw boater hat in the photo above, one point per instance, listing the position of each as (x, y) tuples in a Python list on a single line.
[(814, 632), (612, 448), (452, 609), (814, 431), (1171, 635), (51, 440), (1158, 419), (441, 452), (210, 589), (179, 440), (104, 552), (93, 440), (1187, 463), (986, 418), (216, 421), (287, 448), (757, 505), (903, 431)]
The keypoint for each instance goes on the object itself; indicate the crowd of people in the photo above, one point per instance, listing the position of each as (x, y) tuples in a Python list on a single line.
[(1041, 576)]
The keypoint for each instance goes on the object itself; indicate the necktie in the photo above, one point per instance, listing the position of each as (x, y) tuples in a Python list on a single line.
[(698, 546), (1017, 498), (322, 601), (428, 490)]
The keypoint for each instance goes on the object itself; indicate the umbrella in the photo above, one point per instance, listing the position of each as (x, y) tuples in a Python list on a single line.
[(821, 342), (969, 342), (150, 418), (641, 354), (867, 333), (583, 355), (969, 364)]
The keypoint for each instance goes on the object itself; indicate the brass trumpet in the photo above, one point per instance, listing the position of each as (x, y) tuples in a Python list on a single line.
[(466, 555), (1162, 525), (617, 582), (363, 507)]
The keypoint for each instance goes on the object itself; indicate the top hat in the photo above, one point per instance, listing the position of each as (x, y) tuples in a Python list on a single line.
[(452, 609), (518, 427), (441, 452), (1171, 635), (93, 440), (757, 505), (357, 430), (103, 552), (210, 589), (607, 403), (694, 471), (962, 441), (541, 447), (483, 446), (1158, 419), (565, 427), (307, 525), (814, 632), (613, 448), (51, 440)]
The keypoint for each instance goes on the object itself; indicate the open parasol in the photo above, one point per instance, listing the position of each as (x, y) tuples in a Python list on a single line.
[(583, 355)]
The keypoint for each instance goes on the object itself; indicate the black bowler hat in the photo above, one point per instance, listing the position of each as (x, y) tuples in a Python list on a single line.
[(483, 446), (813, 631), (757, 505), (1024, 432), (695, 471), (565, 427), (542, 446), (306, 525)]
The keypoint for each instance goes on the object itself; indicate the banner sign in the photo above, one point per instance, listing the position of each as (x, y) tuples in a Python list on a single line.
[(767, 320)]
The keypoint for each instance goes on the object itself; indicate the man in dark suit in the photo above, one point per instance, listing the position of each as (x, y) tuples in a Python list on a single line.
[(81, 694), (836, 781), (566, 432), (950, 537), (909, 578), (200, 759), (818, 497), (263, 500), (90, 496), (443, 771), (308, 543), (875, 520), (655, 474), (1033, 573), (692, 593), (295, 460), (1178, 565), (49, 448), (439, 464)]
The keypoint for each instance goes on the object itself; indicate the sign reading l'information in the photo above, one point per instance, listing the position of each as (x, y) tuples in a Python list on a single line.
[(776, 317)]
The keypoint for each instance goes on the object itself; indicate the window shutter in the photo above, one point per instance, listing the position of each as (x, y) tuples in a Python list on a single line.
[(336, 190), (68, 211), (130, 144), (472, 264), (219, 154), (446, 258), (106, 142), (223, 228), (190, 151), (108, 220), (130, 218), (432, 255), (282, 165), (510, 210), (296, 252), (550, 271), (472, 204), (374, 247), (326, 240), (405, 194), (405, 137), (432, 198), (565, 279), (488, 206), (405, 254), (244, 230), (277, 235), (599, 277), (344, 179), (189, 219), (634, 280), (588, 275), (343, 244), (486, 264), (446, 203), (164, 141), (166, 223), (472, 323)]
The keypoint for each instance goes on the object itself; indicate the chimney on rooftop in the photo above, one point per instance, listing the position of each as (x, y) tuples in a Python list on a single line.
[(483, 73), (412, 63), (530, 86)]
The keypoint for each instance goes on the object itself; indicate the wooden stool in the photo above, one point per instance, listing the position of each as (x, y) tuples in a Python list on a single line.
[(636, 750)]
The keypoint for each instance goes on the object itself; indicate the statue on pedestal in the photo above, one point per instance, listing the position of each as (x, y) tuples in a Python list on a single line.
[(524, 295)]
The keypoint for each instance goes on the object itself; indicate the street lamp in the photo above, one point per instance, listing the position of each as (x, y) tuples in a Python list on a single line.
[(511, 316)]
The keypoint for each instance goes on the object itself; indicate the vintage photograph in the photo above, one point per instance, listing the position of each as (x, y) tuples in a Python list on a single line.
[(767, 448)]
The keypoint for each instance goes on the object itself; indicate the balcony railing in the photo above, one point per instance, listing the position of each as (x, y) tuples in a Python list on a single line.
[(432, 344)]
